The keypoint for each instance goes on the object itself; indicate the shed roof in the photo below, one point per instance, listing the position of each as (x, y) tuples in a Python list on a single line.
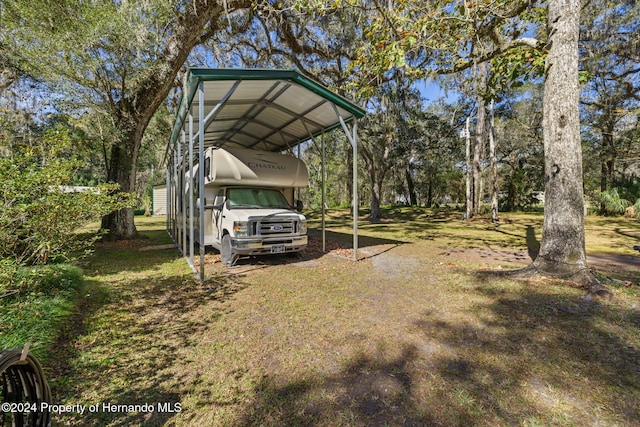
[(264, 109)]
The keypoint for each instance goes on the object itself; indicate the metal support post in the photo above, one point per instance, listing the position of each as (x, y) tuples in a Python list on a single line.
[(352, 136), (168, 201), (191, 185), (183, 194), (356, 200), (201, 201), (323, 184)]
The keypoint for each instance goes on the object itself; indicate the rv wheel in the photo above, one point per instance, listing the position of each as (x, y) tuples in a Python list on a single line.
[(227, 256)]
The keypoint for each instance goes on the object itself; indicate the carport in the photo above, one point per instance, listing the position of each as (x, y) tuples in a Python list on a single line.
[(272, 110)]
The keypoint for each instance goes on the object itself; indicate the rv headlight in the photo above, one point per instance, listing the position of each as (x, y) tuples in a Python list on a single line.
[(241, 228), (302, 227)]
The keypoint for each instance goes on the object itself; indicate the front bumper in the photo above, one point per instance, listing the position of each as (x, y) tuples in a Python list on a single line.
[(253, 246)]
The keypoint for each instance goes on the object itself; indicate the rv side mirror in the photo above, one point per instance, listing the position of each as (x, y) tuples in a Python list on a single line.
[(299, 205)]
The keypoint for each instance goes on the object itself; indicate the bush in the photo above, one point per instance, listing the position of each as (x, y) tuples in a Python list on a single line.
[(613, 202), (39, 216), (48, 279), (620, 200), (39, 223)]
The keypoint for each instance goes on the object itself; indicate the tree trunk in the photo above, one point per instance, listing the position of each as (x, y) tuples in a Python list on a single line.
[(377, 179), (411, 186), (477, 154), (478, 147), (494, 166), (375, 199), (349, 161), (607, 156), (562, 249), (122, 170), (469, 192)]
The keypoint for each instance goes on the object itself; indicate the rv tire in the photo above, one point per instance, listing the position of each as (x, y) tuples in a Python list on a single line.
[(227, 256)]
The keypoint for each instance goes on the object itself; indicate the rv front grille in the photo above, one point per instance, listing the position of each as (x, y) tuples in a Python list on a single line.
[(274, 227)]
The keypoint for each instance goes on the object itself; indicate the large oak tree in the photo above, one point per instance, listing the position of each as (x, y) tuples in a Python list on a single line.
[(450, 36), (118, 57)]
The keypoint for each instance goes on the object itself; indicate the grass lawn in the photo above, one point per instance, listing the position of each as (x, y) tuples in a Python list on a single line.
[(408, 335)]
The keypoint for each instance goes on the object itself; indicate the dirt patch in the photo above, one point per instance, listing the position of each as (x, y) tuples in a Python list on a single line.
[(308, 257), (314, 248), (609, 263), (158, 247), (392, 263)]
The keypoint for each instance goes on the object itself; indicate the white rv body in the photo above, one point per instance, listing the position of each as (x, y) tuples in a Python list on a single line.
[(249, 202)]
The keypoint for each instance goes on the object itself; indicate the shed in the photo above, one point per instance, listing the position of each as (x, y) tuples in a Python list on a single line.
[(159, 200)]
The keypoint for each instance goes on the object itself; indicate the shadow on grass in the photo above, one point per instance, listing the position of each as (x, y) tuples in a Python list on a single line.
[(422, 223), (621, 232), (366, 392), (532, 357), (130, 255), (125, 340), (347, 239), (533, 245), (519, 355)]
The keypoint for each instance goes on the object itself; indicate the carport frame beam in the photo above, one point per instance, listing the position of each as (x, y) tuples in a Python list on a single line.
[(352, 136)]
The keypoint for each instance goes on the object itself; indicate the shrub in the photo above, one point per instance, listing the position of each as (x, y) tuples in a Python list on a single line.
[(39, 216), (48, 279), (613, 202), (620, 200)]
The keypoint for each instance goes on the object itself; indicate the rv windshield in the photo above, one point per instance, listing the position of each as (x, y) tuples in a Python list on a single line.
[(256, 198)]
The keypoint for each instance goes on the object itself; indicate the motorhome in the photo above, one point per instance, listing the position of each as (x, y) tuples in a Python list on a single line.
[(250, 205)]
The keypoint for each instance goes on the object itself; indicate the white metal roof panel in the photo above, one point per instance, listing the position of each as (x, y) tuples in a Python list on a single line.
[(268, 109)]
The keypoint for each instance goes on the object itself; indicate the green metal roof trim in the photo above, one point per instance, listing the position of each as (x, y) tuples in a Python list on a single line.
[(197, 75)]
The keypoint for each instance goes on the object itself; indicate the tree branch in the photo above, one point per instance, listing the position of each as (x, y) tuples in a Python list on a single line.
[(462, 65)]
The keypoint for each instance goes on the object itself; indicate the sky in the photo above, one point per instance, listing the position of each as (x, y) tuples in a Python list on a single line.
[(432, 91)]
